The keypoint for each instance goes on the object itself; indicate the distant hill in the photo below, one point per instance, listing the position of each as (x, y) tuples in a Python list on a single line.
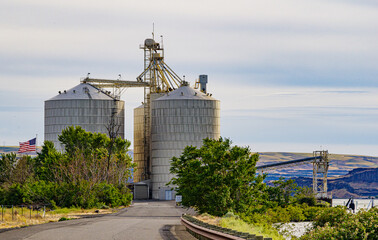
[(9, 149), (339, 164), (348, 175), (358, 183)]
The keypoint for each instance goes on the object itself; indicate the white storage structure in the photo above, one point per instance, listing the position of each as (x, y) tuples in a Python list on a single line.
[(85, 106), (180, 118)]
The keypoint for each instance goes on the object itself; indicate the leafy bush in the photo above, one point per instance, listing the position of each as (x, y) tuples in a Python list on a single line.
[(370, 222), (338, 223), (82, 194), (310, 213), (333, 216), (309, 200), (295, 213), (277, 214)]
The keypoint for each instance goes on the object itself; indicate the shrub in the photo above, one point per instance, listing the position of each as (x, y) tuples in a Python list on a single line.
[(295, 213), (82, 194), (338, 223), (370, 222), (310, 213), (309, 200), (254, 218), (333, 216), (278, 215)]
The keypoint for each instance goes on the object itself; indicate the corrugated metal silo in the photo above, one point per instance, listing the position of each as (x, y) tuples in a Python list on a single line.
[(142, 139), (180, 118), (139, 144), (85, 106)]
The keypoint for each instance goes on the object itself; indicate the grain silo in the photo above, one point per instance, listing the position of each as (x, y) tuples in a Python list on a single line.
[(138, 156), (180, 118), (84, 105), (142, 139)]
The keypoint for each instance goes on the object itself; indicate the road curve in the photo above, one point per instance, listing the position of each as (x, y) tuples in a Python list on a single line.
[(143, 220)]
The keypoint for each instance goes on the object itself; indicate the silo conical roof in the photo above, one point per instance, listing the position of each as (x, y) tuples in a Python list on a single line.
[(82, 91), (185, 92)]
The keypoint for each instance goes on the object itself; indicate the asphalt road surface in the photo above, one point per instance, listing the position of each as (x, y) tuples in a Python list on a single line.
[(143, 220)]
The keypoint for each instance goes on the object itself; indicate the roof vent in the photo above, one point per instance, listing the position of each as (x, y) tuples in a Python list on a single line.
[(74, 91), (65, 91), (182, 94), (59, 92)]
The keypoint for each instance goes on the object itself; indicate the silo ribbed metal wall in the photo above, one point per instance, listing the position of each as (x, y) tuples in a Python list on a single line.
[(178, 123), (139, 143), (91, 114)]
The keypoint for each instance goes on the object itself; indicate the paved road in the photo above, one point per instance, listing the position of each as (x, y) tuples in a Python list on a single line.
[(143, 220)]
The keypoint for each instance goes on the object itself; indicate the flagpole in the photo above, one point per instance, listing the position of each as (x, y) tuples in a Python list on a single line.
[(36, 143)]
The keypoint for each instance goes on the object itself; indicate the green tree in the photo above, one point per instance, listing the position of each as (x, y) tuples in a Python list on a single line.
[(218, 177), (47, 162), (84, 175), (92, 156), (305, 195), (76, 138), (281, 194), (23, 170), (7, 166)]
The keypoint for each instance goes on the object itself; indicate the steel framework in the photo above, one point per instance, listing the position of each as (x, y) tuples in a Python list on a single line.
[(157, 77), (320, 171), (320, 162)]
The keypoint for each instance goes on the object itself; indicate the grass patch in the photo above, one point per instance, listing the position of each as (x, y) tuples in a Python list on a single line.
[(69, 210), (234, 222), (21, 217), (64, 219), (239, 225)]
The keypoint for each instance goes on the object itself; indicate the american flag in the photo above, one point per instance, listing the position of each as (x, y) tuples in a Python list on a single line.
[(28, 146)]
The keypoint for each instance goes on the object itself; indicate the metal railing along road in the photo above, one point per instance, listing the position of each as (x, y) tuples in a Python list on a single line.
[(202, 230)]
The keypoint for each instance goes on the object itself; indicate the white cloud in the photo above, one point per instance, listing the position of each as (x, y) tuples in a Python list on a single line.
[(261, 57)]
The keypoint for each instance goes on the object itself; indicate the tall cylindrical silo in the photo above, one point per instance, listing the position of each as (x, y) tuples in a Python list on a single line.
[(181, 118), (138, 157), (142, 139), (85, 106)]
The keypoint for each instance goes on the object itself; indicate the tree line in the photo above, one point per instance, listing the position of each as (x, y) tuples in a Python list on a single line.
[(91, 172), (221, 180), (218, 178)]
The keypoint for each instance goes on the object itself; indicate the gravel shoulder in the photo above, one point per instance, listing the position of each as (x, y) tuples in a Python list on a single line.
[(297, 229)]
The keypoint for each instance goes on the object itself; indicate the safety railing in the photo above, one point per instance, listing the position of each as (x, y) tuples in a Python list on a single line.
[(202, 230)]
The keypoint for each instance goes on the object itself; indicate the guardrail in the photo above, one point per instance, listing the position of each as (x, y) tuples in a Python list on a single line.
[(204, 231)]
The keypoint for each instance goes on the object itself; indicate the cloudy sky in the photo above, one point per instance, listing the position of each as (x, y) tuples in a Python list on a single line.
[(293, 75)]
